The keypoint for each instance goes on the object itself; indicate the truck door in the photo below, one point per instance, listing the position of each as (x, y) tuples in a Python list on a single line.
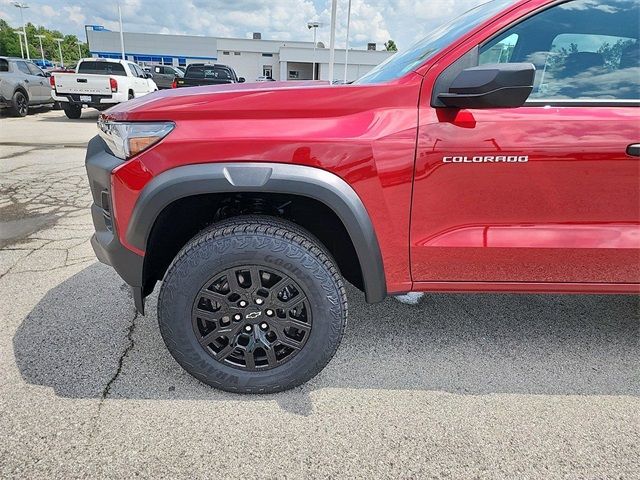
[(548, 192)]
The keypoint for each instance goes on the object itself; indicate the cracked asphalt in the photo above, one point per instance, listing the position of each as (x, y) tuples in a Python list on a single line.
[(457, 386)]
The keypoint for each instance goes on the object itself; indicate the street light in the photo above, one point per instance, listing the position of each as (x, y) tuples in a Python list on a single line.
[(346, 51), (22, 6), (20, 33), (332, 41), (60, 40), (315, 26), (79, 51), (40, 37)]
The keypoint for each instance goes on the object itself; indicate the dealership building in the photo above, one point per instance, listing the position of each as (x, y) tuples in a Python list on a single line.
[(250, 58)]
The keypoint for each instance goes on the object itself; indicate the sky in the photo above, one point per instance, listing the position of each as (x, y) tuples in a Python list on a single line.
[(404, 21)]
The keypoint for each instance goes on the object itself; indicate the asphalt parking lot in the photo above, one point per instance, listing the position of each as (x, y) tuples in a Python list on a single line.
[(458, 386)]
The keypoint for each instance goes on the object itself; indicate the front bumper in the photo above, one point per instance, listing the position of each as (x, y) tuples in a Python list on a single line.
[(129, 265)]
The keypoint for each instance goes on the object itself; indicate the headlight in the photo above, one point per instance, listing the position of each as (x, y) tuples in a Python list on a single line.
[(126, 139)]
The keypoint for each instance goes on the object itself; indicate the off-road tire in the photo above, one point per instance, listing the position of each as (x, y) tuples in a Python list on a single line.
[(263, 241), (19, 104), (72, 112)]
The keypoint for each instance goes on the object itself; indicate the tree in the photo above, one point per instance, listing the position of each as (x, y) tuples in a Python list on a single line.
[(391, 46), (10, 43)]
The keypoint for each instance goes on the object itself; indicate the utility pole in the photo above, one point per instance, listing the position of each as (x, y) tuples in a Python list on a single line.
[(40, 37), (22, 6), (19, 32), (60, 40), (121, 34), (79, 51), (332, 42), (346, 50)]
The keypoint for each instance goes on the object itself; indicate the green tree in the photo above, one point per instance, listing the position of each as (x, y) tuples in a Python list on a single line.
[(391, 46), (10, 43)]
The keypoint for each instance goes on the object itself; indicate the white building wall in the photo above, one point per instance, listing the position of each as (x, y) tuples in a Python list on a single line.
[(247, 57)]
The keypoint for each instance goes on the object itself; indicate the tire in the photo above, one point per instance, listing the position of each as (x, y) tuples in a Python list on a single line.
[(72, 112), (277, 251), (19, 104)]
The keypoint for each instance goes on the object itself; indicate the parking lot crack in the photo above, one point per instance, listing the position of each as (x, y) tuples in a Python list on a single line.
[(129, 346)]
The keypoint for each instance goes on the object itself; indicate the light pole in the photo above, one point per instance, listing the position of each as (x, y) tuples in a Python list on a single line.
[(346, 51), (60, 40), (22, 6), (121, 34), (332, 42), (79, 52), (315, 26), (40, 37), (19, 32)]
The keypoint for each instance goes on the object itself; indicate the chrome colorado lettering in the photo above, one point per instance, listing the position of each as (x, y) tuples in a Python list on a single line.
[(487, 159)]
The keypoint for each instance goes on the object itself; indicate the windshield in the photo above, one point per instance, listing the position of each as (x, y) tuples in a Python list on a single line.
[(209, 71), (101, 68), (404, 62)]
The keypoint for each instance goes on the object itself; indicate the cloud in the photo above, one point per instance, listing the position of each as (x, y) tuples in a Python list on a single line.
[(405, 21)]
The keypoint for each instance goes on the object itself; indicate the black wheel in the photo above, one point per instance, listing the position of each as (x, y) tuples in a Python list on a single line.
[(19, 104), (72, 111), (253, 305)]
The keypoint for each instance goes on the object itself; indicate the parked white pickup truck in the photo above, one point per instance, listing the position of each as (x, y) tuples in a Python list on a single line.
[(100, 83)]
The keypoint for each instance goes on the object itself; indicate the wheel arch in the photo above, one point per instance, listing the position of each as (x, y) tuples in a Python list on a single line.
[(268, 178)]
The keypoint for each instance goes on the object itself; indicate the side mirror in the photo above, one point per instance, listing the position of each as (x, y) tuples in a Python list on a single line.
[(241, 80), (148, 75), (499, 85)]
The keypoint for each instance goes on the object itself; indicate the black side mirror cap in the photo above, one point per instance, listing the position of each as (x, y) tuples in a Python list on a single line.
[(241, 80), (499, 85)]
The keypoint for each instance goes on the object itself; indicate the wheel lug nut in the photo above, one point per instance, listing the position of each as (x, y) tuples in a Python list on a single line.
[(243, 303), (259, 301), (264, 326), (237, 316), (248, 328), (269, 313)]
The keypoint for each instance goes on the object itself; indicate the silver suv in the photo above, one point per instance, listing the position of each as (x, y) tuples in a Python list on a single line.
[(22, 85)]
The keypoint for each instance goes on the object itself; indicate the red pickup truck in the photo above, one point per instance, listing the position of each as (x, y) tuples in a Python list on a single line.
[(500, 153)]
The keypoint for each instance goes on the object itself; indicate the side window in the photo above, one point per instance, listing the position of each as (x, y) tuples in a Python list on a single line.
[(4, 65), (582, 50), (35, 70), (23, 67)]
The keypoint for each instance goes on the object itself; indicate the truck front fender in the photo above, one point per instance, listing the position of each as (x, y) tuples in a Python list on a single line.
[(239, 177)]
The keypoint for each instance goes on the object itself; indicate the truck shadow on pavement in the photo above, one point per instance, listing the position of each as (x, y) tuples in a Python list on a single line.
[(83, 340)]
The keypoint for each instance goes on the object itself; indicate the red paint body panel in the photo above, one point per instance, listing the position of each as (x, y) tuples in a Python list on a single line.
[(566, 221)]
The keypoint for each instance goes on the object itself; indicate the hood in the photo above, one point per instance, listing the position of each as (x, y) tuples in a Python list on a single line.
[(178, 99)]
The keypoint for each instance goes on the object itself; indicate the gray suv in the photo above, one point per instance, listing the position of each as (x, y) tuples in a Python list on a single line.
[(164, 75), (22, 85)]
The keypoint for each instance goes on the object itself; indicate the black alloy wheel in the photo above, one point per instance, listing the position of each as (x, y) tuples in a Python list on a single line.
[(252, 317), (20, 104)]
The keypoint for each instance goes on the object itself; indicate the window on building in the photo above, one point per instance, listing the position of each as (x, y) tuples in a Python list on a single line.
[(182, 62), (167, 61), (581, 50), (267, 54), (225, 53), (237, 53)]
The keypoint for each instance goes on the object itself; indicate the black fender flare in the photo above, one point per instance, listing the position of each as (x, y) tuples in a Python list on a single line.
[(320, 185)]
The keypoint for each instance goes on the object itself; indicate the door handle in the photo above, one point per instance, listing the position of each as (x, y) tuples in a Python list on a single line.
[(634, 150), (26, 80)]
